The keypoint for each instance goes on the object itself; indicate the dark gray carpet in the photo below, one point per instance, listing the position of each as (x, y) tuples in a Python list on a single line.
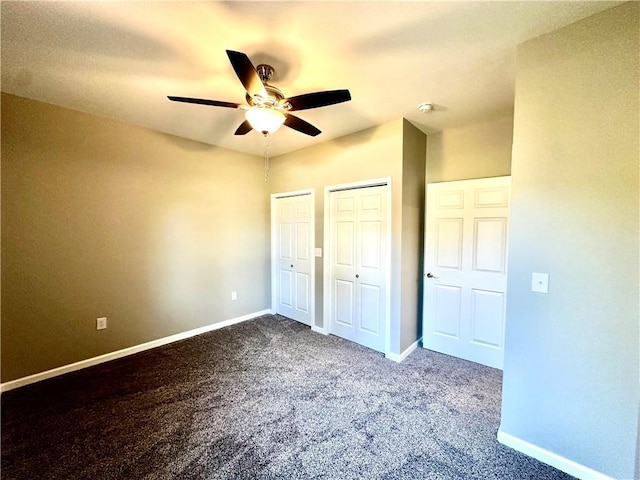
[(265, 399)]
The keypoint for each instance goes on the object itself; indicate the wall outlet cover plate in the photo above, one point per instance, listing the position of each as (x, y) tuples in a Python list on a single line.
[(540, 282)]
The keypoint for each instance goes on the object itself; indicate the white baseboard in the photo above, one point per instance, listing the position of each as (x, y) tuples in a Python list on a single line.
[(550, 458), (321, 330), (72, 367), (399, 358)]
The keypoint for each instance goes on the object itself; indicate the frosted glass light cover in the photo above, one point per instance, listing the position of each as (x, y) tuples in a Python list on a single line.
[(265, 119)]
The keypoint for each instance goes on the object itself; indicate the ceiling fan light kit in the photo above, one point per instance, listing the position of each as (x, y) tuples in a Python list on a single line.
[(265, 119), (267, 109)]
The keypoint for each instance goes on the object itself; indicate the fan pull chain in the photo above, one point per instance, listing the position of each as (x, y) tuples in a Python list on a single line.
[(266, 159)]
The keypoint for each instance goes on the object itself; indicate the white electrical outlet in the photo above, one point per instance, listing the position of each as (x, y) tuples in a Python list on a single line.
[(234, 296), (101, 323), (540, 282)]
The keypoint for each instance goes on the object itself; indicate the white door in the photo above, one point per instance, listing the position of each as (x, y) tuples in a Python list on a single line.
[(465, 282), (358, 256), (292, 235)]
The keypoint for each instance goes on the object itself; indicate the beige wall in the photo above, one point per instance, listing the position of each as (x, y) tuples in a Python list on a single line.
[(474, 151), (372, 153), (572, 365), (413, 183), (105, 219)]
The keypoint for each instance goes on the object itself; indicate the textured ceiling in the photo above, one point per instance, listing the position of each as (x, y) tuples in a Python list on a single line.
[(121, 59)]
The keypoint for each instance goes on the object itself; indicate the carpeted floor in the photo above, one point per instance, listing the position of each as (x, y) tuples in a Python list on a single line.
[(264, 399)]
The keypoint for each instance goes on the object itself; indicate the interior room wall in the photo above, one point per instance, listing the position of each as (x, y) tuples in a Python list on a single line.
[(637, 475), (370, 154), (480, 150), (100, 219), (413, 181), (571, 365)]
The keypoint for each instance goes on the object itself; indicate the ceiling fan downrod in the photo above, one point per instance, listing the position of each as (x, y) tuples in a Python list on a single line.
[(265, 72)]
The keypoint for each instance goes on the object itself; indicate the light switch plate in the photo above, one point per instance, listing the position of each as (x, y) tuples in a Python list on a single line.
[(540, 282), (318, 252)]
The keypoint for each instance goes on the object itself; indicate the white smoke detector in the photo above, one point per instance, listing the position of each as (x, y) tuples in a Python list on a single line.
[(425, 107)]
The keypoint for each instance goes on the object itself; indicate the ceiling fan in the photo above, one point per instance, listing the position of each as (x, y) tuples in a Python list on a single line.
[(267, 108)]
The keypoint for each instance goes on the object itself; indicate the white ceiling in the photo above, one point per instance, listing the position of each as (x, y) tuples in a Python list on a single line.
[(121, 59)]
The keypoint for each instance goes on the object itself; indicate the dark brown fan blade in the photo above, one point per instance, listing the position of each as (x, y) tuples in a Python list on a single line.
[(244, 128), (247, 74), (300, 125), (202, 101), (318, 99)]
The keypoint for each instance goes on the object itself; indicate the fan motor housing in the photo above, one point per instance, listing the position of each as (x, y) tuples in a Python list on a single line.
[(265, 72)]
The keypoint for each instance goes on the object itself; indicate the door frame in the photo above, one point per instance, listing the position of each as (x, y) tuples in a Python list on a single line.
[(326, 266), (274, 253)]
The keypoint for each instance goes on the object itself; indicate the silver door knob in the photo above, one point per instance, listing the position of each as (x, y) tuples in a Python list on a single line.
[(431, 275)]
